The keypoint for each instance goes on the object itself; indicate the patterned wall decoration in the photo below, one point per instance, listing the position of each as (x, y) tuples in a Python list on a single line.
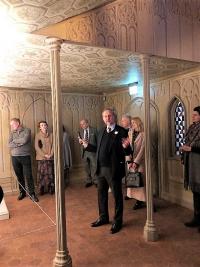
[(187, 89), (127, 17), (31, 107), (34, 106), (167, 170), (158, 27), (26, 64), (31, 15), (83, 30)]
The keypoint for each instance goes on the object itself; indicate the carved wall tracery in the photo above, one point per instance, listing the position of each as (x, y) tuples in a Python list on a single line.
[(34, 106), (169, 176), (31, 107), (81, 31), (159, 27)]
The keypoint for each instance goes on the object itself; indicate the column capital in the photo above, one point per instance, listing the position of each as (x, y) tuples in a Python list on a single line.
[(144, 57), (54, 43)]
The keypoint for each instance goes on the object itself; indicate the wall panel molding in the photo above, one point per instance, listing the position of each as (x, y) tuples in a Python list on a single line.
[(31, 107), (163, 28)]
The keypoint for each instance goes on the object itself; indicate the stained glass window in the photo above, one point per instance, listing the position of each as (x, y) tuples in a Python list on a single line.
[(179, 124)]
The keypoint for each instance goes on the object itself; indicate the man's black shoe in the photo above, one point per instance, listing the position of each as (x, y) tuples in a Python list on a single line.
[(116, 227), (21, 196), (42, 190), (88, 184), (99, 222), (193, 223), (34, 198), (154, 208), (139, 205)]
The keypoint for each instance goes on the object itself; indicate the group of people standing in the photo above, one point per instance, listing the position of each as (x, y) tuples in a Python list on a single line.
[(115, 150), (108, 154), (135, 128), (20, 147)]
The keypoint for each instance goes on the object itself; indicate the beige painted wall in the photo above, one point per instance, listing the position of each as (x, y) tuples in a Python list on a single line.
[(167, 171), (158, 27), (31, 107)]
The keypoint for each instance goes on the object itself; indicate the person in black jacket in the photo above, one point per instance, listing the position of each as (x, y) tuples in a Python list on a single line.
[(191, 151), (112, 146)]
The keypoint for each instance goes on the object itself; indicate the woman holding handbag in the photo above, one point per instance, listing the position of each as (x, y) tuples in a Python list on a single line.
[(138, 162)]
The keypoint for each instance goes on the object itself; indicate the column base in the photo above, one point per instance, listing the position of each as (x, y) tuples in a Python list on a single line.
[(4, 213), (62, 260), (150, 232)]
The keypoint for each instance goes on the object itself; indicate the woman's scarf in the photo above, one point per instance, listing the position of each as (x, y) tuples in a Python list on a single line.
[(192, 137), (135, 135)]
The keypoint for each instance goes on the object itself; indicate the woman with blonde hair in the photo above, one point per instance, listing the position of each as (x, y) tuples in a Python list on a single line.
[(44, 157), (138, 162)]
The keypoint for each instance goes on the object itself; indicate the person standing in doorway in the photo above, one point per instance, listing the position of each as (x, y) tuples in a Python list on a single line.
[(20, 147), (88, 134)]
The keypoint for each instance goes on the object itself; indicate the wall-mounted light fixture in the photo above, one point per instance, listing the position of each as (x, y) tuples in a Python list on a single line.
[(133, 88)]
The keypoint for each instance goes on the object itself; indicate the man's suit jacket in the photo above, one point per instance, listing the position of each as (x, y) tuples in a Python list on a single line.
[(92, 140), (116, 151)]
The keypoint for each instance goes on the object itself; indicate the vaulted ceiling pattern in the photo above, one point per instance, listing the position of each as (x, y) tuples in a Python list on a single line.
[(31, 15), (83, 68), (25, 62)]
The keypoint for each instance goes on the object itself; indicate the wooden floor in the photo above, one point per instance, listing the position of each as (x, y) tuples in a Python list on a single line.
[(28, 238)]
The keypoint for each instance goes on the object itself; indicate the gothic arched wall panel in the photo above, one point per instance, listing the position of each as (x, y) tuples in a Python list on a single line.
[(31, 107)]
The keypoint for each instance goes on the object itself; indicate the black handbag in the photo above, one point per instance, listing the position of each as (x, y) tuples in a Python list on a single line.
[(134, 179)]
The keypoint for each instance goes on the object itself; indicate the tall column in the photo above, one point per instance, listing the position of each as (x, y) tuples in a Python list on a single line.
[(62, 257), (150, 233)]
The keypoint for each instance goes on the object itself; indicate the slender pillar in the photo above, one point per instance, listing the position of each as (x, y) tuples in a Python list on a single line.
[(150, 233), (62, 258)]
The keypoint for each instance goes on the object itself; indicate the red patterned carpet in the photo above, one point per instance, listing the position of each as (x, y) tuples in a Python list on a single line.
[(28, 238)]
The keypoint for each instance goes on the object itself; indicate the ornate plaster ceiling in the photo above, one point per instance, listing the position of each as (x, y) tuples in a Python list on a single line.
[(84, 69), (32, 15)]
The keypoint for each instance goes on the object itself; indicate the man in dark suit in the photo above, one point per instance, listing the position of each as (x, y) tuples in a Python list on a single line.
[(111, 150), (88, 134)]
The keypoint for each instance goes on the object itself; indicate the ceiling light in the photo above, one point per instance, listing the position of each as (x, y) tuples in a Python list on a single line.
[(133, 88)]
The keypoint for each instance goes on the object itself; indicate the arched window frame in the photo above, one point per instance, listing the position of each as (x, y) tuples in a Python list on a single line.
[(172, 132)]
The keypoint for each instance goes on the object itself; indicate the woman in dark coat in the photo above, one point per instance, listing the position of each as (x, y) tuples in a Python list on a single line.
[(191, 151)]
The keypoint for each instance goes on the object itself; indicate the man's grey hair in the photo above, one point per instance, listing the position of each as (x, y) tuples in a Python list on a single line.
[(112, 111), (85, 120), (16, 120), (127, 116)]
